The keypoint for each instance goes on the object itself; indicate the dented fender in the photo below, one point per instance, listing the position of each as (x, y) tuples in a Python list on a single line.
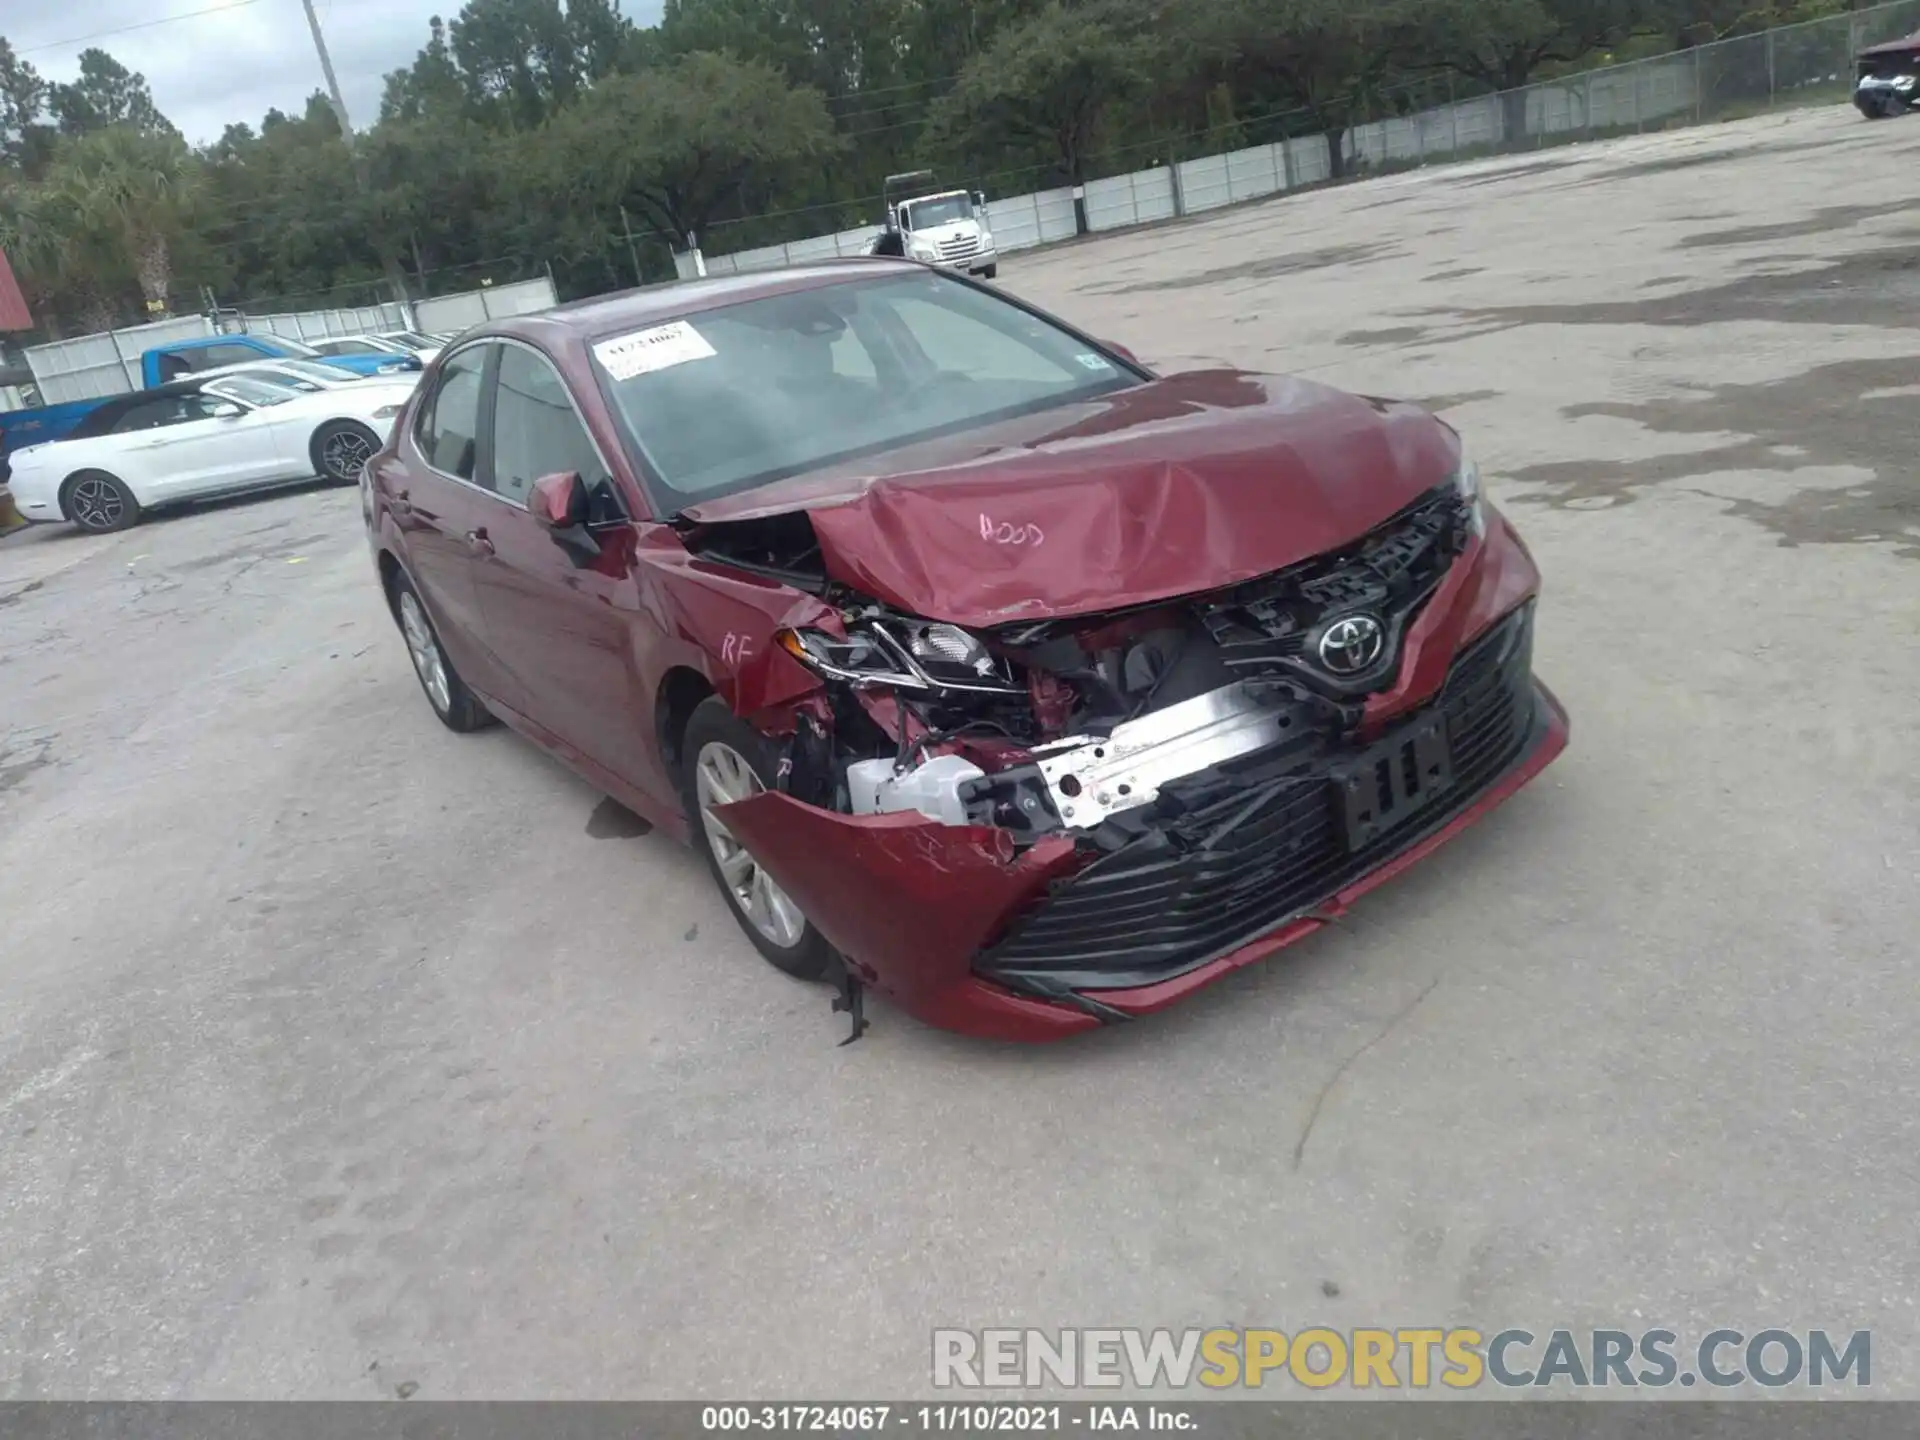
[(907, 900), (728, 618)]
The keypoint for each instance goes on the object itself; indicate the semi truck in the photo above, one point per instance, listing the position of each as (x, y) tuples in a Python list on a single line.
[(937, 227)]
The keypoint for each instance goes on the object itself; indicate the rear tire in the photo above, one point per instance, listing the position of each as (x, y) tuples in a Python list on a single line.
[(341, 450), (721, 753), (458, 708), (99, 503)]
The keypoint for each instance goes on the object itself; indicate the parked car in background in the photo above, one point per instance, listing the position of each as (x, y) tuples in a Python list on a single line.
[(310, 374), (984, 666), (1889, 78), (202, 437), (165, 364), (363, 347), (415, 342)]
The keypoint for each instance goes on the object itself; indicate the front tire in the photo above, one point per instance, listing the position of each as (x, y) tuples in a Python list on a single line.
[(341, 450), (458, 707), (99, 503), (992, 272), (726, 759)]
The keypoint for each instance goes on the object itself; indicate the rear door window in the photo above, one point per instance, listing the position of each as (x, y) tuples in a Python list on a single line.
[(448, 429)]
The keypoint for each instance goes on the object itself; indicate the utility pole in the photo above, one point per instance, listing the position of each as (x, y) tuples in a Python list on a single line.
[(396, 278), (326, 69), (633, 252)]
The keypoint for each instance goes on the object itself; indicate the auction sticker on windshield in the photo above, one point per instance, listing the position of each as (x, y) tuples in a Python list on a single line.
[(657, 349)]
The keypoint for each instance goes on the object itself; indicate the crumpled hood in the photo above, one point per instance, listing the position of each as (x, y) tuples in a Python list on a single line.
[(1176, 486)]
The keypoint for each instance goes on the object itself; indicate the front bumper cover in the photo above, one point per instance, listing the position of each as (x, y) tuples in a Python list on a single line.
[(942, 919)]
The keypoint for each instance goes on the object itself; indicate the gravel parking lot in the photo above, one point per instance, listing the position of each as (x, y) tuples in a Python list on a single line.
[(344, 1057)]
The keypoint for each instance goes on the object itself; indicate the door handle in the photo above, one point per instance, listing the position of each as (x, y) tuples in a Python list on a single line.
[(480, 543)]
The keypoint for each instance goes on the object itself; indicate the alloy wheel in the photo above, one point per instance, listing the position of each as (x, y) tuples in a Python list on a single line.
[(722, 776), (428, 663), (96, 503), (345, 454)]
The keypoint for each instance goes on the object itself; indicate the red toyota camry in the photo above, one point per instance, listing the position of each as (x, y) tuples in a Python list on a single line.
[(988, 669)]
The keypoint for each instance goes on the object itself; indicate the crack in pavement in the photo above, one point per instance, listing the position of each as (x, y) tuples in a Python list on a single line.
[(1320, 1100)]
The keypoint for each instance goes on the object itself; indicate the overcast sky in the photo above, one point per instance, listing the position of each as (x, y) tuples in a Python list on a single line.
[(237, 61)]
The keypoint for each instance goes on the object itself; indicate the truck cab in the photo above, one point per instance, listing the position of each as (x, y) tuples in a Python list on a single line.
[(947, 228), (167, 363)]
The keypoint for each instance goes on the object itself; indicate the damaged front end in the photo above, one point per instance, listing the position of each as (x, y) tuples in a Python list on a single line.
[(1033, 828)]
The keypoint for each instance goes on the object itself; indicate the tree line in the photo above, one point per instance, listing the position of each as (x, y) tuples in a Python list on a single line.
[(529, 134)]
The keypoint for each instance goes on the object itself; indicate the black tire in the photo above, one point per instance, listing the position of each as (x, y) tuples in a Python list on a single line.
[(992, 272), (458, 707), (98, 503), (714, 725), (340, 450)]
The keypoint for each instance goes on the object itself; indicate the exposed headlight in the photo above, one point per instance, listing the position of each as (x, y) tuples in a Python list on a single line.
[(387, 412), (920, 250), (916, 655), (1466, 480)]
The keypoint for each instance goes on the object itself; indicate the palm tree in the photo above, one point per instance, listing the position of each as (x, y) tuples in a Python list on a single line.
[(101, 220), (127, 192)]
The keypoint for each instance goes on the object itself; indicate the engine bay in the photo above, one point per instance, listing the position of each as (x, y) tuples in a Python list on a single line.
[(1082, 723)]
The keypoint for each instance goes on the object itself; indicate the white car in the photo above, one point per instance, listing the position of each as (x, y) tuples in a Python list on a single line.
[(363, 345), (308, 375), (415, 342), (202, 437)]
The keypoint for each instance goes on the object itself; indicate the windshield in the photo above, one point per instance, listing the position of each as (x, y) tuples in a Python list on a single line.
[(255, 389), (732, 398), (322, 376), (280, 378), (293, 347), (357, 347), (926, 214), (409, 340)]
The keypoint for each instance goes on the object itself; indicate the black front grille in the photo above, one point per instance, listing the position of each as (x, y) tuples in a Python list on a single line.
[(1267, 626), (1258, 849)]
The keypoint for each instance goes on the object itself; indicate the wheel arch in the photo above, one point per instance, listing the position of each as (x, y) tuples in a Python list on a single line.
[(682, 689), (61, 495)]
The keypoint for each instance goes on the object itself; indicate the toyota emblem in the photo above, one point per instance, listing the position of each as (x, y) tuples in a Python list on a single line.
[(1352, 645)]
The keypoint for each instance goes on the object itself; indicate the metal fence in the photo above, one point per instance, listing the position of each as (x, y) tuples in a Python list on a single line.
[(1728, 79), (321, 324), (490, 302)]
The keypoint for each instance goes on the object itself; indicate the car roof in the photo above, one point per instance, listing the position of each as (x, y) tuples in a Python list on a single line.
[(653, 304), (1910, 44), (190, 386), (114, 406)]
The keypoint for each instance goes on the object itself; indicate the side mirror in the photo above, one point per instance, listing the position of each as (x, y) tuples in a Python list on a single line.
[(225, 410), (980, 198), (559, 501), (558, 504)]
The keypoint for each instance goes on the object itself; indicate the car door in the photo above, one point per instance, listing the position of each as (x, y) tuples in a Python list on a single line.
[(442, 510), (201, 443), (263, 441), (561, 625)]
